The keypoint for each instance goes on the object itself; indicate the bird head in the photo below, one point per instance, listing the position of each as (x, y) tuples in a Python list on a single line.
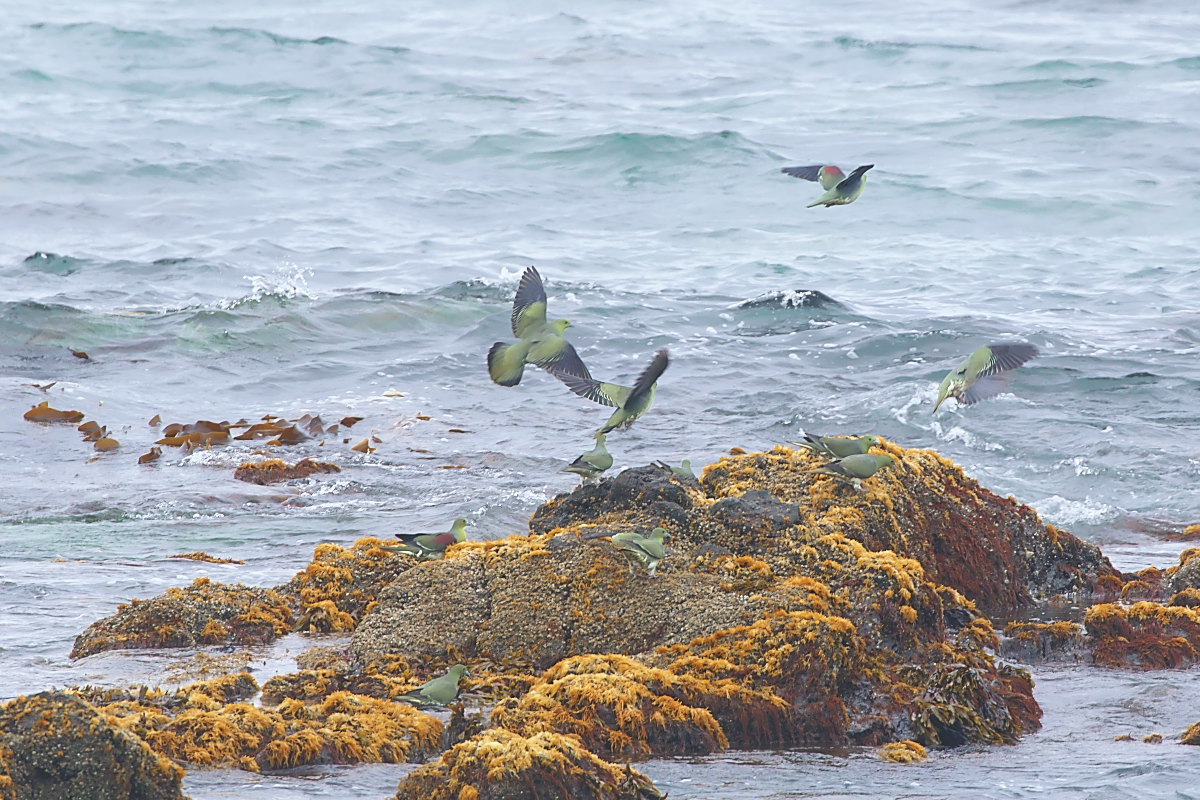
[(660, 533), (560, 326), (457, 672), (952, 385), (885, 461)]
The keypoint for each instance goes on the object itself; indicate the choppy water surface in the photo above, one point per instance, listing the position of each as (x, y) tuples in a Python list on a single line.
[(288, 208)]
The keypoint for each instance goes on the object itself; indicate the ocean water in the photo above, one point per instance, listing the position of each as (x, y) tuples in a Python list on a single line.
[(286, 208)]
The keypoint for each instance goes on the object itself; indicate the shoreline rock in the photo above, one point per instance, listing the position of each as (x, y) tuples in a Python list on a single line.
[(790, 610)]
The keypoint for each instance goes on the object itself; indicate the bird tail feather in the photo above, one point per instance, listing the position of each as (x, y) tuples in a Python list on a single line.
[(506, 362)]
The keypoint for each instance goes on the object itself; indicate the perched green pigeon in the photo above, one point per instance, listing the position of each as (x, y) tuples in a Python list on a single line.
[(592, 464), (684, 470), (856, 468), (631, 401), (984, 373), (836, 446), (541, 342), (840, 188), (646, 549), (429, 546), (437, 692)]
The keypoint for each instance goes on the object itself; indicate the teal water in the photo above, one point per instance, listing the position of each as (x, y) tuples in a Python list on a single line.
[(294, 208)]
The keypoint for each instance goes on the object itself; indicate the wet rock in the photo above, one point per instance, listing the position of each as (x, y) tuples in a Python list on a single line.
[(1186, 574), (501, 765), (54, 746), (205, 613), (276, 470), (1046, 642)]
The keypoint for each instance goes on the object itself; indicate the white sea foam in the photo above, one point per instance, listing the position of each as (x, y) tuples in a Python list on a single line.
[(1063, 511)]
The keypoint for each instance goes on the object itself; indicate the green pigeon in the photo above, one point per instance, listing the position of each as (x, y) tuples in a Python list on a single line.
[(837, 446), (840, 188), (437, 692), (592, 464), (630, 401), (984, 373), (429, 546), (857, 468), (541, 342), (646, 549), (684, 470)]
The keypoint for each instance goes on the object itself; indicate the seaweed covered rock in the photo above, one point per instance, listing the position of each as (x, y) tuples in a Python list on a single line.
[(621, 709), (1146, 635), (501, 765), (330, 594), (205, 613), (55, 746), (341, 583), (205, 724), (1186, 574), (993, 550)]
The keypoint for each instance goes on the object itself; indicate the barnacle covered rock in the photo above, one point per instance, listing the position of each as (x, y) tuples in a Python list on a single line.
[(55, 746)]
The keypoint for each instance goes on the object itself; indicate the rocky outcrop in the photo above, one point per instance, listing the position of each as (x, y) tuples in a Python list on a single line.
[(55, 746), (205, 613)]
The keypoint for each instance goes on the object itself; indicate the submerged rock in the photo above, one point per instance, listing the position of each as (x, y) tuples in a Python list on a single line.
[(54, 746)]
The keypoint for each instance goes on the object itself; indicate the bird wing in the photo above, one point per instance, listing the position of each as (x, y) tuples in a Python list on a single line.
[(651, 547), (985, 388), (529, 304), (1005, 357), (606, 394), (647, 379), (565, 362), (827, 174)]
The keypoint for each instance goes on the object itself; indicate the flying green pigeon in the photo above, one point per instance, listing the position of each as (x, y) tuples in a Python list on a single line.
[(856, 468), (684, 470), (429, 546), (437, 692), (592, 464), (984, 373), (631, 401), (646, 549), (840, 188), (838, 447), (541, 342)]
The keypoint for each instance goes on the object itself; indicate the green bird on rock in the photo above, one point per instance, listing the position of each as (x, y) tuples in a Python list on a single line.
[(541, 342), (429, 546), (646, 549), (840, 189), (838, 446), (439, 691), (630, 401), (984, 374), (684, 470), (592, 464), (856, 468)]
